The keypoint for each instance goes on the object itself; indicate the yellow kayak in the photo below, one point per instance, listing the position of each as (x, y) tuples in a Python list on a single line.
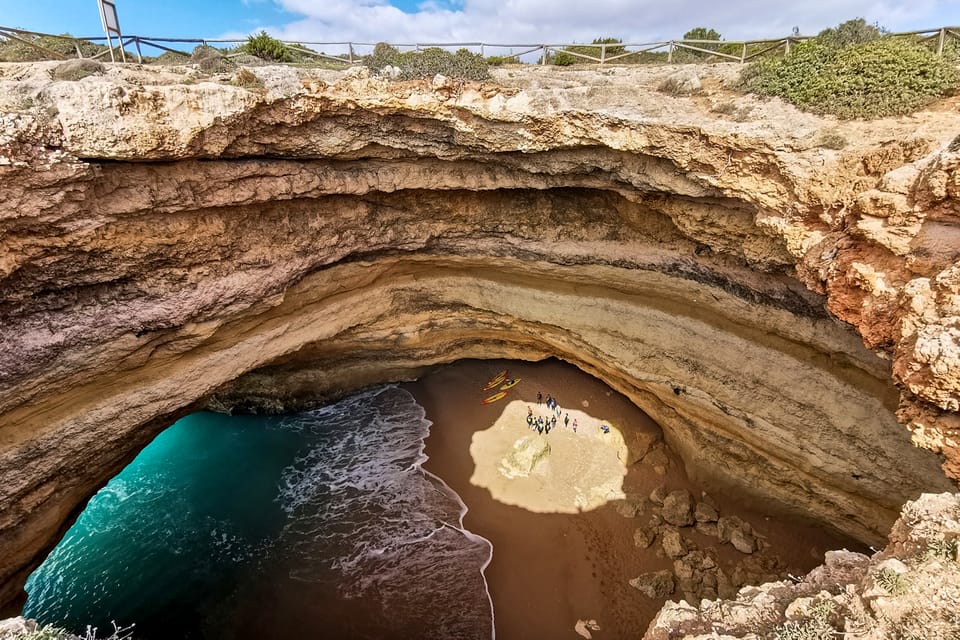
[(494, 397), (496, 380), (510, 384)]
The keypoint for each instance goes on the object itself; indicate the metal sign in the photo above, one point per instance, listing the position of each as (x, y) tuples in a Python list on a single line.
[(111, 25), (108, 15)]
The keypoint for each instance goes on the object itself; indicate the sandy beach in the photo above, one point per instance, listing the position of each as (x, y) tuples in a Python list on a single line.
[(551, 569)]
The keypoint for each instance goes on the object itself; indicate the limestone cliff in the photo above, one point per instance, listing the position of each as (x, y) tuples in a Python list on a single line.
[(169, 240), (910, 589)]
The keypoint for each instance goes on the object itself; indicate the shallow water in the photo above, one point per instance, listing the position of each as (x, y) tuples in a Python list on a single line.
[(252, 527)]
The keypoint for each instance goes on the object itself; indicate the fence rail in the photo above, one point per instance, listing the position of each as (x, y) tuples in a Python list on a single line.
[(736, 51)]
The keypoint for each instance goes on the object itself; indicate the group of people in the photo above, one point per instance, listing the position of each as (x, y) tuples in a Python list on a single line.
[(543, 424)]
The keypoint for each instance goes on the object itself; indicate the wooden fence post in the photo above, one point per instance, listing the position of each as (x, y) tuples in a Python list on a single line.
[(350, 50), (603, 53), (786, 46), (941, 38), (136, 41), (743, 53), (670, 53)]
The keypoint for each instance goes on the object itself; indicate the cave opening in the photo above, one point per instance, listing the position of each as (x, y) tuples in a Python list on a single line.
[(257, 526)]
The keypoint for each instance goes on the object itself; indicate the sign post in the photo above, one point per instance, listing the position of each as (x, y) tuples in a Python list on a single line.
[(111, 25)]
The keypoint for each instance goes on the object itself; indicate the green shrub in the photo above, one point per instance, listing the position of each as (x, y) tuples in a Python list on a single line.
[(246, 79), (726, 108), (209, 59), (496, 61), (15, 51), (462, 65), (171, 58), (951, 50), (697, 33), (851, 32), (563, 59), (382, 56), (614, 48), (44, 633), (263, 46), (892, 582), (940, 549), (816, 626), (880, 76), (831, 140)]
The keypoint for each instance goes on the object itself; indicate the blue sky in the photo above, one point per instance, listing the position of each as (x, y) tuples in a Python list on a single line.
[(519, 21)]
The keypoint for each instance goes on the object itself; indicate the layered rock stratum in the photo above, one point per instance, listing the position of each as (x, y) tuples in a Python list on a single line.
[(789, 313)]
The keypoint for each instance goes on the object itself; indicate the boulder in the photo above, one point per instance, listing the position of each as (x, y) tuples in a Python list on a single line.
[(684, 571), (743, 541), (705, 513), (839, 567), (708, 529), (632, 506), (441, 82), (657, 457), (643, 538), (678, 508), (390, 71), (358, 72), (726, 589), (657, 584), (726, 525), (709, 580), (681, 83), (672, 542)]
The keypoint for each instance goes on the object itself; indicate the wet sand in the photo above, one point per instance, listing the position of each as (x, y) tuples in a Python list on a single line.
[(551, 569)]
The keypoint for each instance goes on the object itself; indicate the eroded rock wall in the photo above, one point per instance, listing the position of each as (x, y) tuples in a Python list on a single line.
[(910, 589), (166, 244)]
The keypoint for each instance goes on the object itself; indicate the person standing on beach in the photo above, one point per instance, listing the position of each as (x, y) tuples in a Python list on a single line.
[(566, 420), (539, 397), (553, 421), (574, 425)]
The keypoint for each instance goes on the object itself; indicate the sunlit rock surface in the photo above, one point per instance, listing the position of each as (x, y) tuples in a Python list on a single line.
[(563, 471)]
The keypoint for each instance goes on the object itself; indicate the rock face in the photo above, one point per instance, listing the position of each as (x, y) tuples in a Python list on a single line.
[(911, 589), (782, 310)]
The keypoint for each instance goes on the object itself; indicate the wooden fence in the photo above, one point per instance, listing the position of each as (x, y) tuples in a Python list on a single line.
[(604, 53)]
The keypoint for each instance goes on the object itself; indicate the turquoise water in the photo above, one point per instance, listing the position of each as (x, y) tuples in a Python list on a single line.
[(253, 527)]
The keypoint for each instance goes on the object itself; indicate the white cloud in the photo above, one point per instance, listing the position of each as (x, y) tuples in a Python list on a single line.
[(561, 21)]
